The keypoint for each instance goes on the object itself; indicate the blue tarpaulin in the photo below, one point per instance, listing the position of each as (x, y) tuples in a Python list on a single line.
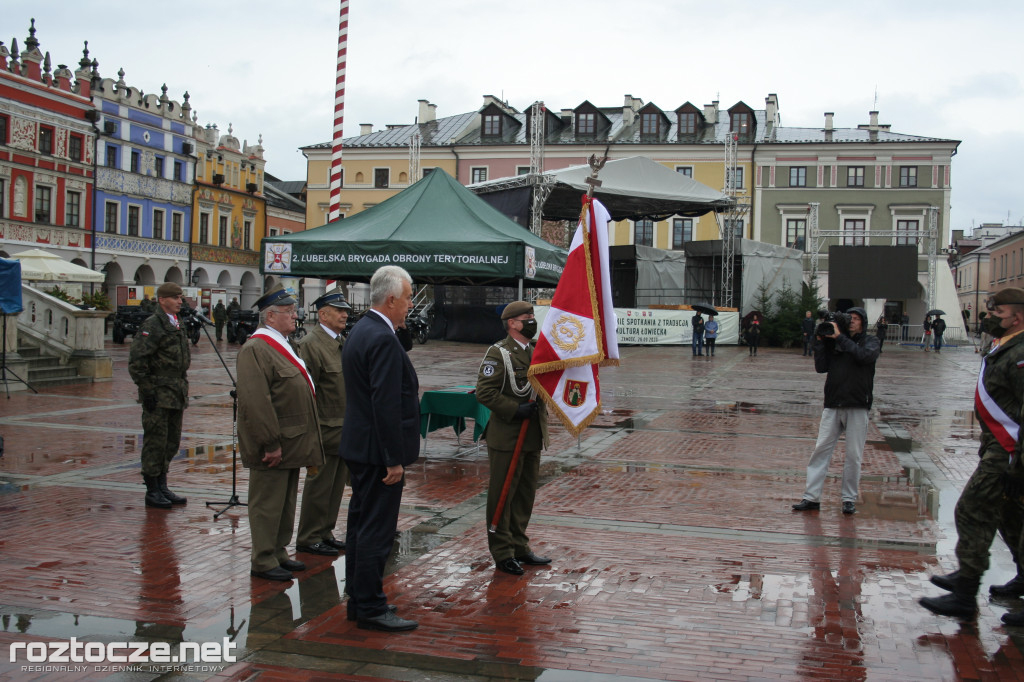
[(10, 286)]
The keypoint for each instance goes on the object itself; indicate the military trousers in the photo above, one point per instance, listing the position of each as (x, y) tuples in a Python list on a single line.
[(321, 502), (161, 439), (980, 513), (219, 327), (834, 421), (510, 538), (272, 496)]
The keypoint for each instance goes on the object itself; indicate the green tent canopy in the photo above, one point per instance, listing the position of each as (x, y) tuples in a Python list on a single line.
[(436, 229)]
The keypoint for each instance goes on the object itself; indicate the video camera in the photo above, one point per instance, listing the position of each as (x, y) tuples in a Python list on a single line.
[(824, 328)]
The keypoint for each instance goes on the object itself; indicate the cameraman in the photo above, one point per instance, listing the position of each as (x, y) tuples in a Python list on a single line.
[(848, 356)]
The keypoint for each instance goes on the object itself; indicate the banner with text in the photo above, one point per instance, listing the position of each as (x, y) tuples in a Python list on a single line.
[(642, 327)]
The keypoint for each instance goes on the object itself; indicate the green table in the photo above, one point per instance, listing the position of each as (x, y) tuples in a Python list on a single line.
[(451, 407)]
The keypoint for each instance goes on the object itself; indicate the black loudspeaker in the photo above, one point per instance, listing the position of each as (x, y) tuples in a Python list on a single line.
[(251, 187), (109, 127), (10, 287), (218, 178), (186, 148)]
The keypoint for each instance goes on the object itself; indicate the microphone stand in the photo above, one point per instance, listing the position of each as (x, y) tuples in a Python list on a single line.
[(232, 501)]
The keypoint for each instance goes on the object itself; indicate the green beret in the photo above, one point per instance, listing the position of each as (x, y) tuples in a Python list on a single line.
[(516, 308), (1008, 295), (168, 290)]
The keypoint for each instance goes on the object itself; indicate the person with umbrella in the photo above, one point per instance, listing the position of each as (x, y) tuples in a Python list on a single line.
[(697, 326), (710, 334), (938, 329)]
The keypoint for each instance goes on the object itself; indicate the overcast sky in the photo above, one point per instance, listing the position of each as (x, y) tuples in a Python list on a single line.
[(940, 68)]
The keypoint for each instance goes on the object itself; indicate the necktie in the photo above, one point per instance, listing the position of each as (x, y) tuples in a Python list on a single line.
[(175, 318)]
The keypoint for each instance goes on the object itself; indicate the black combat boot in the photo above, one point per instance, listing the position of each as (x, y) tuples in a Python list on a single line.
[(171, 497), (946, 582), (961, 603), (1014, 588), (155, 498)]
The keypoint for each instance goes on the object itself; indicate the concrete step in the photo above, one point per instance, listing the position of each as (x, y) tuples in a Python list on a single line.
[(47, 371)]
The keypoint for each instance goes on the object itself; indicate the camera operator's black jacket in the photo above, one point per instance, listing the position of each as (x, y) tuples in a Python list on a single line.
[(850, 364)]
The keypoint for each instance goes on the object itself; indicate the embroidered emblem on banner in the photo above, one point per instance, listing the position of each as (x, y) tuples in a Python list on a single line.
[(278, 258), (575, 393), (567, 333)]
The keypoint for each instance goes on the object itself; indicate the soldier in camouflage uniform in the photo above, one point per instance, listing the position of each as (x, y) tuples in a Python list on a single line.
[(158, 362), (983, 507), (503, 387)]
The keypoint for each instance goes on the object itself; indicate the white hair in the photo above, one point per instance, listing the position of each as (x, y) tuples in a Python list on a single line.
[(387, 281)]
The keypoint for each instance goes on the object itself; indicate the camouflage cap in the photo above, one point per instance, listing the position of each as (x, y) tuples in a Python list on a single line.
[(516, 308), (168, 290)]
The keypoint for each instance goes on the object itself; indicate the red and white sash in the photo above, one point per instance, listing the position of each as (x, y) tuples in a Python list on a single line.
[(999, 423), (285, 349)]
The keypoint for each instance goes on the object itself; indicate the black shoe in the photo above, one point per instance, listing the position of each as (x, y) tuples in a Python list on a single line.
[(320, 548), (948, 581), (276, 573), (387, 622), (336, 544), (849, 507), (351, 613), (510, 565), (954, 605), (1014, 618), (171, 497), (1014, 588), (154, 497), (292, 565), (807, 505), (532, 559)]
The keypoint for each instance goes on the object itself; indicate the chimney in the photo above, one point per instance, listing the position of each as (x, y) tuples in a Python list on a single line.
[(628, 112), (828, 121), (711, 112), (874, 119), (491, 99), (365, 128), (771, 109), (428, 111)]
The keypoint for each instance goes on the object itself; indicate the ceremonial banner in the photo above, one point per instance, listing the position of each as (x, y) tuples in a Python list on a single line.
[(578, 333)]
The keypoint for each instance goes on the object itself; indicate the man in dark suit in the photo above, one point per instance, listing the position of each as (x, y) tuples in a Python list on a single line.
[(380, 437)]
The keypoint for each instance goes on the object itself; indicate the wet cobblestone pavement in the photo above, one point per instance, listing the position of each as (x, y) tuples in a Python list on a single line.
[(676, 554)]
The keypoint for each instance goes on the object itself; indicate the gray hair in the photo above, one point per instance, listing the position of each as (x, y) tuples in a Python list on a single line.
[(387, 281), (272, 308)]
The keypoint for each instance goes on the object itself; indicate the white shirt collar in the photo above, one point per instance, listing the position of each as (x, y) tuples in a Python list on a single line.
[(383, 317), (329, 333)]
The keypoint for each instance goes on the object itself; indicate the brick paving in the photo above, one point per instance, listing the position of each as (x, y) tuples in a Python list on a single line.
[(676, 556)]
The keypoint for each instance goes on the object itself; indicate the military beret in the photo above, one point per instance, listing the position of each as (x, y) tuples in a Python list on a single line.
[(1008, 295), (276, 296), (516, 308), (335, 299), (168, 290)]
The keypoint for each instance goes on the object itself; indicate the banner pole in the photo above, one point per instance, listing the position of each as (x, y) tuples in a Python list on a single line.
[(503, 498)]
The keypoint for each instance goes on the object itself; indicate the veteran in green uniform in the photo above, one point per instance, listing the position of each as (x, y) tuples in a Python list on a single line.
[(278, 433), (983, 508), (158, 362), (503, 387), (321, 494)]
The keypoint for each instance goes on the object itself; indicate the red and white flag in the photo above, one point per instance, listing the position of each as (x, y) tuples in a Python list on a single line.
[(578, 333)]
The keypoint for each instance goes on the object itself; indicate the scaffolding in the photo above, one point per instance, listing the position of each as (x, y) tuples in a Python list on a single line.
[(730, 221), (541, 185), (414, 157), (817, 237)]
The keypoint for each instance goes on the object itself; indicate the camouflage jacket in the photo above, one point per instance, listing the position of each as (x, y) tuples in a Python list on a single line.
[(159, 360)]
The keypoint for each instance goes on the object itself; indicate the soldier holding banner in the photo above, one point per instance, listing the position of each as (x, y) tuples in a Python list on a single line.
[(504, 388)]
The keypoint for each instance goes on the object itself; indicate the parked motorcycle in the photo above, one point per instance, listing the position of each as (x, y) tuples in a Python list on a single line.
[(193, 327), (419, 327)]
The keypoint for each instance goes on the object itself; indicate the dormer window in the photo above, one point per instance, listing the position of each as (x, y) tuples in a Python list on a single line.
[(492, 125), (586, 124), (741, 122), (649, 124), (687, 123)]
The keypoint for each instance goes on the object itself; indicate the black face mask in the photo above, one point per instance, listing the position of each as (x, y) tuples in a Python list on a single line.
[(992, 327), (529, 329)]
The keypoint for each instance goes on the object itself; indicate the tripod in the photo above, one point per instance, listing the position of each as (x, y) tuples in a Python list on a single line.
[(232, 501), (4, 369)]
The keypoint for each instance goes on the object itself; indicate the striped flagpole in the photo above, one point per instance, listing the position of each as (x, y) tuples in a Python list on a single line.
[(339, 115)]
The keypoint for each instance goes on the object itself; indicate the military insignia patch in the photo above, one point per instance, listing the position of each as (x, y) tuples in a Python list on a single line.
[(575, 393), (488, 370)]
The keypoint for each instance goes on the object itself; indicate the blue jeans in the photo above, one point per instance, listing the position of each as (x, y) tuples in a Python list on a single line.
[(698, 344)]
